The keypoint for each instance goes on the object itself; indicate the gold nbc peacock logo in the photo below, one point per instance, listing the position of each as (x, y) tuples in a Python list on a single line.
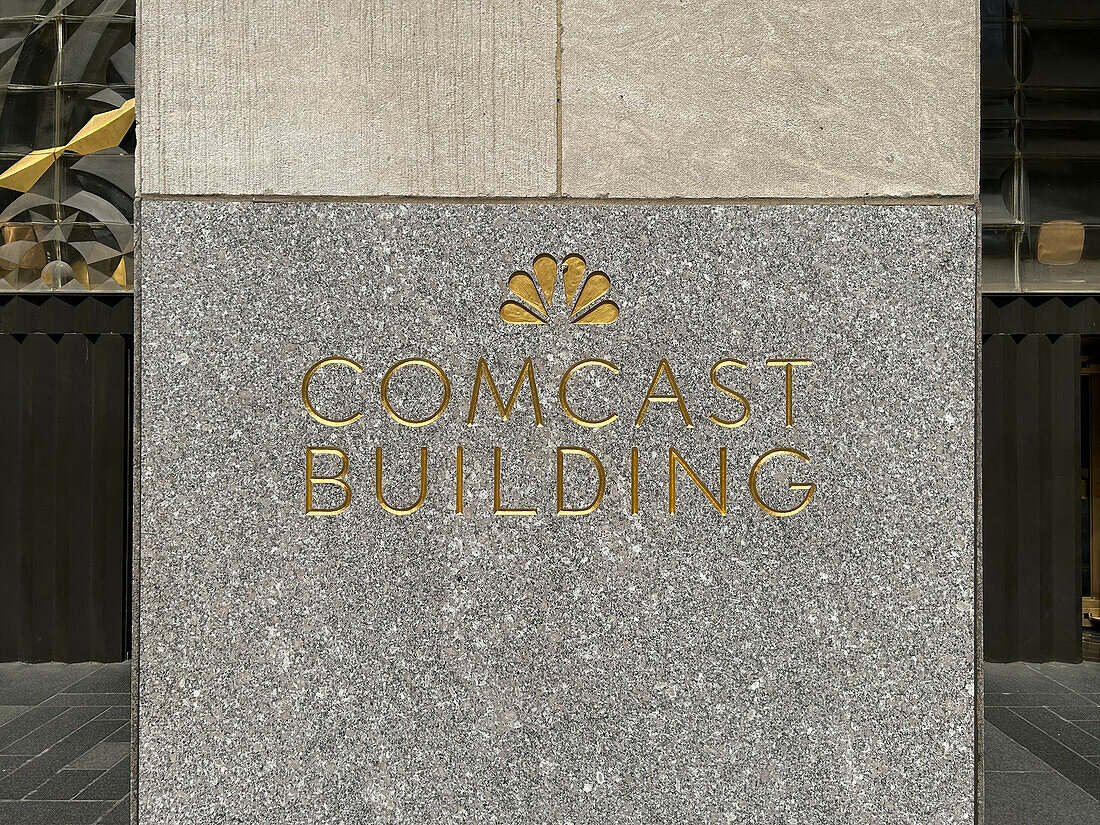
[(584, 297)]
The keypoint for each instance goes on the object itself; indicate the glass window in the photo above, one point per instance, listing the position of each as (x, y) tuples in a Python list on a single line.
[(67, 145), (1040, 170)]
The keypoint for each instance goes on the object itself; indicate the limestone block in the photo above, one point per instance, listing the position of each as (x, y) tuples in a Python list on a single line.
[(349, 97), (754, 98)]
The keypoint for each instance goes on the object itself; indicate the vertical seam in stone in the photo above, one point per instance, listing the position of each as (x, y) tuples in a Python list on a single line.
[(557, 74)]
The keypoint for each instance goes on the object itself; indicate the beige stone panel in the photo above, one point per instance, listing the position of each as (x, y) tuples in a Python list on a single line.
[(347, 97), (758, 98)]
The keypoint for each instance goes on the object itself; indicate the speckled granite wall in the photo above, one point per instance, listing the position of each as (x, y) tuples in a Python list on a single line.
[(603, 668)]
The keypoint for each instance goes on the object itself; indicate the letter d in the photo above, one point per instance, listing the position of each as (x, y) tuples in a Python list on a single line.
[(591, 456)]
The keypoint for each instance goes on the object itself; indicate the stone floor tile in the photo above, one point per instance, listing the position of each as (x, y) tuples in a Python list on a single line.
[(27, 812), (1083, 677), (22, 725), (115, 784), (66, 784), (1019, 677), (38, 770), (1036, 799), (1078, 713), (111, 678), (1002, 753), (101, 757), (116, 713), (9, 712), (121, 735), (118, 815), (1067, 733), (1037, 700), (89, 699), (1073, 766), (23, 684), (52, 732), (1091, 727)]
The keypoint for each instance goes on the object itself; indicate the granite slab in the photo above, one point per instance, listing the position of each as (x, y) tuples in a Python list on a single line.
[(777, 658)]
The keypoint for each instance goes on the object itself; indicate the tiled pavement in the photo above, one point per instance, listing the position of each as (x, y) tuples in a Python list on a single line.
[(65, 744), (1042, 744)]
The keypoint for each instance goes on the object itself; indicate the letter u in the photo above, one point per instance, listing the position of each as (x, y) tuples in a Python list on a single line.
[(401, 511)]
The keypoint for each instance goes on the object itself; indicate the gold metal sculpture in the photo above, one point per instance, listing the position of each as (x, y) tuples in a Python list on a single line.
[(102, 131)]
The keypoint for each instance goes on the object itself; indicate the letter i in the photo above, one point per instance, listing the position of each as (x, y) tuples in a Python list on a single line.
[(633, 481), (458, 481)]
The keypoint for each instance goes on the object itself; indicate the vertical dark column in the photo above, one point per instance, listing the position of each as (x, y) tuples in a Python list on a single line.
[(65, 489), (109, 485), (1031, 529), (998, 497), (15, 595)]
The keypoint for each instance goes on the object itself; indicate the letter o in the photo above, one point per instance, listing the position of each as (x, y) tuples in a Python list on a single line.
[(418, 362)]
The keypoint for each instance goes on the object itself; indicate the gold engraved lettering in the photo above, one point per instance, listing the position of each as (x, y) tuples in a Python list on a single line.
[(790, 364), (633, 481), (721, 422), (497, 509), (336, 480), (527, 373), (331, 422), (401, 511), (651, 394), (674, 459), (418, 362), (601, 485), (808, 489), (576, 419)]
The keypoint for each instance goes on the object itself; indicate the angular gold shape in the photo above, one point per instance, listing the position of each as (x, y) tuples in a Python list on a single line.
[(25, 172), (104, 130), (597, 285), (524, 288), (119, 275), (574, 267), (1061, 243), (513, 312), (25, 253), (605, 312), (546, 270)]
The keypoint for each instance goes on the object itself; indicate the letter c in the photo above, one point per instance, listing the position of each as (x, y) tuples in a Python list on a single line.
[(576, 419), (331, 422)]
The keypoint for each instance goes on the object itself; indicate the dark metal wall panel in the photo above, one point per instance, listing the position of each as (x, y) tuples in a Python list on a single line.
[(1041, 314), (59, 313), (65, 542), (1030, 492)]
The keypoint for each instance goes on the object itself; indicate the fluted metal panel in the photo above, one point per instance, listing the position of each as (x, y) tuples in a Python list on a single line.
[(1031, 432), (65, 502)]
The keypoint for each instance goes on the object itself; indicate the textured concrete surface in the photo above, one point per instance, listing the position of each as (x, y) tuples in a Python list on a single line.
[(350, 97), (714, 98), (591, 669)]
